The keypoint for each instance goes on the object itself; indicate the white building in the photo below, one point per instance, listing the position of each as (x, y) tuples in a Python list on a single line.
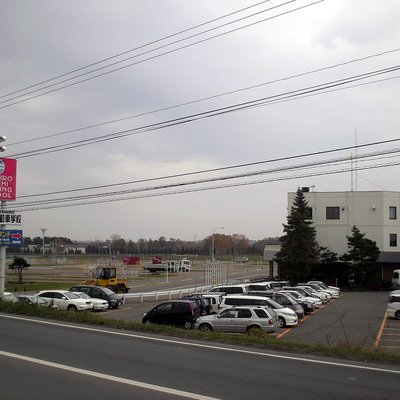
[(374, 213)]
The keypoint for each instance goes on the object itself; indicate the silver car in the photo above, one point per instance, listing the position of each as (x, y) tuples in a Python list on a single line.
[(239, 320)]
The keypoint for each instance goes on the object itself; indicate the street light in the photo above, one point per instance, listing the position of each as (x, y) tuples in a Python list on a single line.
[(109, 247), (43, 232), (212, 243)]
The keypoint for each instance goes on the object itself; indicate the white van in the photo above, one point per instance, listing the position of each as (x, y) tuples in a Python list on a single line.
[(229, 289), (396, 279), (214, 299), (287, 317)]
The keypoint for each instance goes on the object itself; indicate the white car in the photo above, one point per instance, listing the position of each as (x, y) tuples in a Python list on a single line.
[(11, 297), (325, 286), (393, 306), (214, 299), (65, 300), (325, 297), (98, 304), (335, 293), (286, 316)]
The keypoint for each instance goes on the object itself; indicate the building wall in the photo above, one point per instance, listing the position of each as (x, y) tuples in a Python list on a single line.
[(368, 211)]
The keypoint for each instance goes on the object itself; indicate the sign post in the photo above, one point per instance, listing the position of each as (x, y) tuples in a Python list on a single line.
[(8, 186)]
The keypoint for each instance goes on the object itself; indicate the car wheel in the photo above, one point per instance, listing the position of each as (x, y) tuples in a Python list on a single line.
[(254, 329), (71, 307), (281, 322), (397, 315), (205, 328), (188, 325), (147, 322)]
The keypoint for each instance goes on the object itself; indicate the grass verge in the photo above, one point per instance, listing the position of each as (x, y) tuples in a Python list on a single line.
[(253, 339)]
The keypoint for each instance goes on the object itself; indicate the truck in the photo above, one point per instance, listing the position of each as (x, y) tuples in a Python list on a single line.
[(396, 280), (107, 277), (158, 266)]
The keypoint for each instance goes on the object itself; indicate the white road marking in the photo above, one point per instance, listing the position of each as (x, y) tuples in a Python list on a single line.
[(187, 279), (99, 375), (138, 286), (206, 346)]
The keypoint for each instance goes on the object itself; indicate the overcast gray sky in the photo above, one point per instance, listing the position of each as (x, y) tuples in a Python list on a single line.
[(312, 44)]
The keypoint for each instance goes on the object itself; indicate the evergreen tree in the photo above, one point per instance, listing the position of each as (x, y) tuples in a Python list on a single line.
[(298, 245), (19, 264), (362, 257)]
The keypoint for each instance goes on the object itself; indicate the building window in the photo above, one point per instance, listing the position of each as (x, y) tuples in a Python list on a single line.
[(393, 240), (332, 212), (392, 212), (309, 213)]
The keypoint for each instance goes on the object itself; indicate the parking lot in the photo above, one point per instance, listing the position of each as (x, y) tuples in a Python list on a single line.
[(356, 318)]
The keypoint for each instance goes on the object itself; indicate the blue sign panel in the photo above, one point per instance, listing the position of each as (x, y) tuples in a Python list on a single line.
[(10, 237)]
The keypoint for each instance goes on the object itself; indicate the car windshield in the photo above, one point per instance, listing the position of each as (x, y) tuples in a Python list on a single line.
[(323, 285), (71, 296), (84, 295), (274, 304), (108, 291)]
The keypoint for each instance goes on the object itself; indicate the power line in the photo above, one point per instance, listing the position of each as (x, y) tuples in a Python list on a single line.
[(132, 50), (236, 166), (207, 98), (208, 114), (314, 164), (141, 61), (200, 189)]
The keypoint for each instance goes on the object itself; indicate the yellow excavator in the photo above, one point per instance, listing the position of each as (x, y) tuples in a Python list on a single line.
[(107, 277)]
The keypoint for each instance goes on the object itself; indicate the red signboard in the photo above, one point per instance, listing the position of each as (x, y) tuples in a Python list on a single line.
[(8, 179), (132, 260)]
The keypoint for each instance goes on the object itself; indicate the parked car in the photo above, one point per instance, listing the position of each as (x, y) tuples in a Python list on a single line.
[(65, 300), (287, 317), (308, 305), (316, 300), (33, 299), (325, 297), (214, 300), (241, 259), (239, 320), (286, 301), (174, 312), (393, 306), (229, 289), (317, 286), (98, 304), (98, 292), (11, 297), (202, 302), (324, 285)]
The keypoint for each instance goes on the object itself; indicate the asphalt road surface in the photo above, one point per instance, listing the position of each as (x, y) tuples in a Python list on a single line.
[(47, 360)]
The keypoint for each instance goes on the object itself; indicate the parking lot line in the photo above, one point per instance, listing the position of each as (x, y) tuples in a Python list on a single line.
[(380, 332)]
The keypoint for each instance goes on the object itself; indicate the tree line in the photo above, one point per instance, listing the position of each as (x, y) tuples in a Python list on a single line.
[(236, 244)]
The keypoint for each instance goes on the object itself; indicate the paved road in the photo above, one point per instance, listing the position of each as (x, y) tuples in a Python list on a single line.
[(73, 362)]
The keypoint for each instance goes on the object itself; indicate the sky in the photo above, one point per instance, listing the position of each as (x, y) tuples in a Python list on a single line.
[(215, 110)]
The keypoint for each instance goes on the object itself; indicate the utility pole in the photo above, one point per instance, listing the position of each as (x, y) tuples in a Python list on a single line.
[(43, 232)]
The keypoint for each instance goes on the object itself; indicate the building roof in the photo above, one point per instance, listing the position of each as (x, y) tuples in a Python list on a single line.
[(389, 257)]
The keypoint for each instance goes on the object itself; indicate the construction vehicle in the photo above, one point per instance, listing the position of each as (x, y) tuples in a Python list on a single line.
[(107, 277)]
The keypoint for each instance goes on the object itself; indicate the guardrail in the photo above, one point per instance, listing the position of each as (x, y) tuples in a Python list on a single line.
[(166, 294)]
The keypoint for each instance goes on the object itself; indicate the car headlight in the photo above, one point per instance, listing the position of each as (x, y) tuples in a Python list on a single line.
[(289, 314)]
